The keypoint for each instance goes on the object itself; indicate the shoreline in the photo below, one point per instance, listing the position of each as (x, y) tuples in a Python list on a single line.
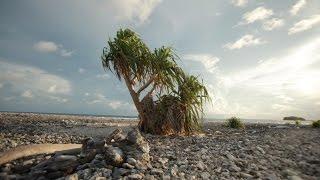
[(274, 151)]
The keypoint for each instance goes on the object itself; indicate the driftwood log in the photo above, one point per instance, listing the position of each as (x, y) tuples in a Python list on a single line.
[(36, 149)]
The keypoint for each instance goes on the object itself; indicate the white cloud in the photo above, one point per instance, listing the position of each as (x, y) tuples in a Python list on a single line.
[(273, 24), (305, 24), (22, 77), (66, 53), (58, 99), (27, 94), (45, 46), (136, 10), (239, 3), (103, 76), (81, 70), (275, 87), (245, 41), (102, 99), (86, 94), (298, 6), (260, 13), (51, 47), (208, 61), (115, 104)]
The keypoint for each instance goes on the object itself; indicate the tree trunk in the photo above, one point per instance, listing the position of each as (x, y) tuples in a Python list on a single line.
[(137, 103)]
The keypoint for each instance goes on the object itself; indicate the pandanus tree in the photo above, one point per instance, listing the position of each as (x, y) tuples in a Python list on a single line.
[(167, 100)]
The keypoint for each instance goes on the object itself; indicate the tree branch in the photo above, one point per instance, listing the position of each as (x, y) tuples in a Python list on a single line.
[(146, 84)]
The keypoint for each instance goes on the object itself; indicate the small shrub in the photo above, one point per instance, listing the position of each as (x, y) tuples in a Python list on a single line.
[(235, 122), (316, 124), (297, 122)]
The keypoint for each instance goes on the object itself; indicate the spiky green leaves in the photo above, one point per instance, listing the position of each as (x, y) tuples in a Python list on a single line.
[(178, 94)]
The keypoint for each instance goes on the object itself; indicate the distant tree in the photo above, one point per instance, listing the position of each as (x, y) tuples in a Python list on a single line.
[(168, 101)]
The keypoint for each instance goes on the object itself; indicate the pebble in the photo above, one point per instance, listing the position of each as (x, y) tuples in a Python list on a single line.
[(205, 175), (72, 177), (155, 171), (132, 161), (200, 165), (135, 176)]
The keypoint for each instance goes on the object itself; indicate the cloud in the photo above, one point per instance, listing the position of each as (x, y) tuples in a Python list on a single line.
[(66, 53), (45, 46), (207, 60), (1, 85), (52, 47), (134, 10), (239, 3), (305, 24), (58, 99), (289, 83), (103, 76), (22, 77), (114, 104), (245, 41), (297, 7), (27, 94), (273, 24), (81, 70), (260, 13)]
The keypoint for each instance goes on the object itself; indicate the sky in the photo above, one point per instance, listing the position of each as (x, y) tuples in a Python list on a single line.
[(258, 59)]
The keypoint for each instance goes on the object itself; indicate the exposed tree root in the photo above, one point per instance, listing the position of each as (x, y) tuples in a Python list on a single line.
[(36, 149)]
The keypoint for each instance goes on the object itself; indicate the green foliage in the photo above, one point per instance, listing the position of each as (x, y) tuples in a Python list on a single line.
[(297, 122), (180, 97), (316, 124), (234, 122)]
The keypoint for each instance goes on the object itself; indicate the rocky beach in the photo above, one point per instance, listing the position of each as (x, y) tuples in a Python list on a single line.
[(259, 151)]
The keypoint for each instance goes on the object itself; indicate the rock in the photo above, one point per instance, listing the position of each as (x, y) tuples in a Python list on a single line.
[(261, 150), (114, 155), (163, 161), (200, 165), (149, 177), (289, 172), (231, 157), (135, 176), (132, 161), (245, 175), (127, 165), (64, 163), (234, 168), (72, 177), (205, 175), (137, 148), (294, 178), (84, 174), (118, 172), (174, 170), (135, 137), (116, 135), (100, 178), (155, 171), (4, 175), (103, 172)]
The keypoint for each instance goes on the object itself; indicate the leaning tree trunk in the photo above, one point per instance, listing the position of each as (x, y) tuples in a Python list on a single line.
[(135, 98)]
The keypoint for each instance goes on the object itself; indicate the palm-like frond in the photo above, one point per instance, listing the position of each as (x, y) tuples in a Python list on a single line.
[(180, 97)]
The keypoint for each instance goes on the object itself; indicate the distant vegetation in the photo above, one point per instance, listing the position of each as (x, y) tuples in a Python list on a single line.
[(316, 124), (234, 122), (297, 122), (293, 118)]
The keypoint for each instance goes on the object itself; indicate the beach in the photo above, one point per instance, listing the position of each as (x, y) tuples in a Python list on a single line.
[(259, 151)]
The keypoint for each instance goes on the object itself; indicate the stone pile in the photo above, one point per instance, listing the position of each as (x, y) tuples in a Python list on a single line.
[(117, 156)]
